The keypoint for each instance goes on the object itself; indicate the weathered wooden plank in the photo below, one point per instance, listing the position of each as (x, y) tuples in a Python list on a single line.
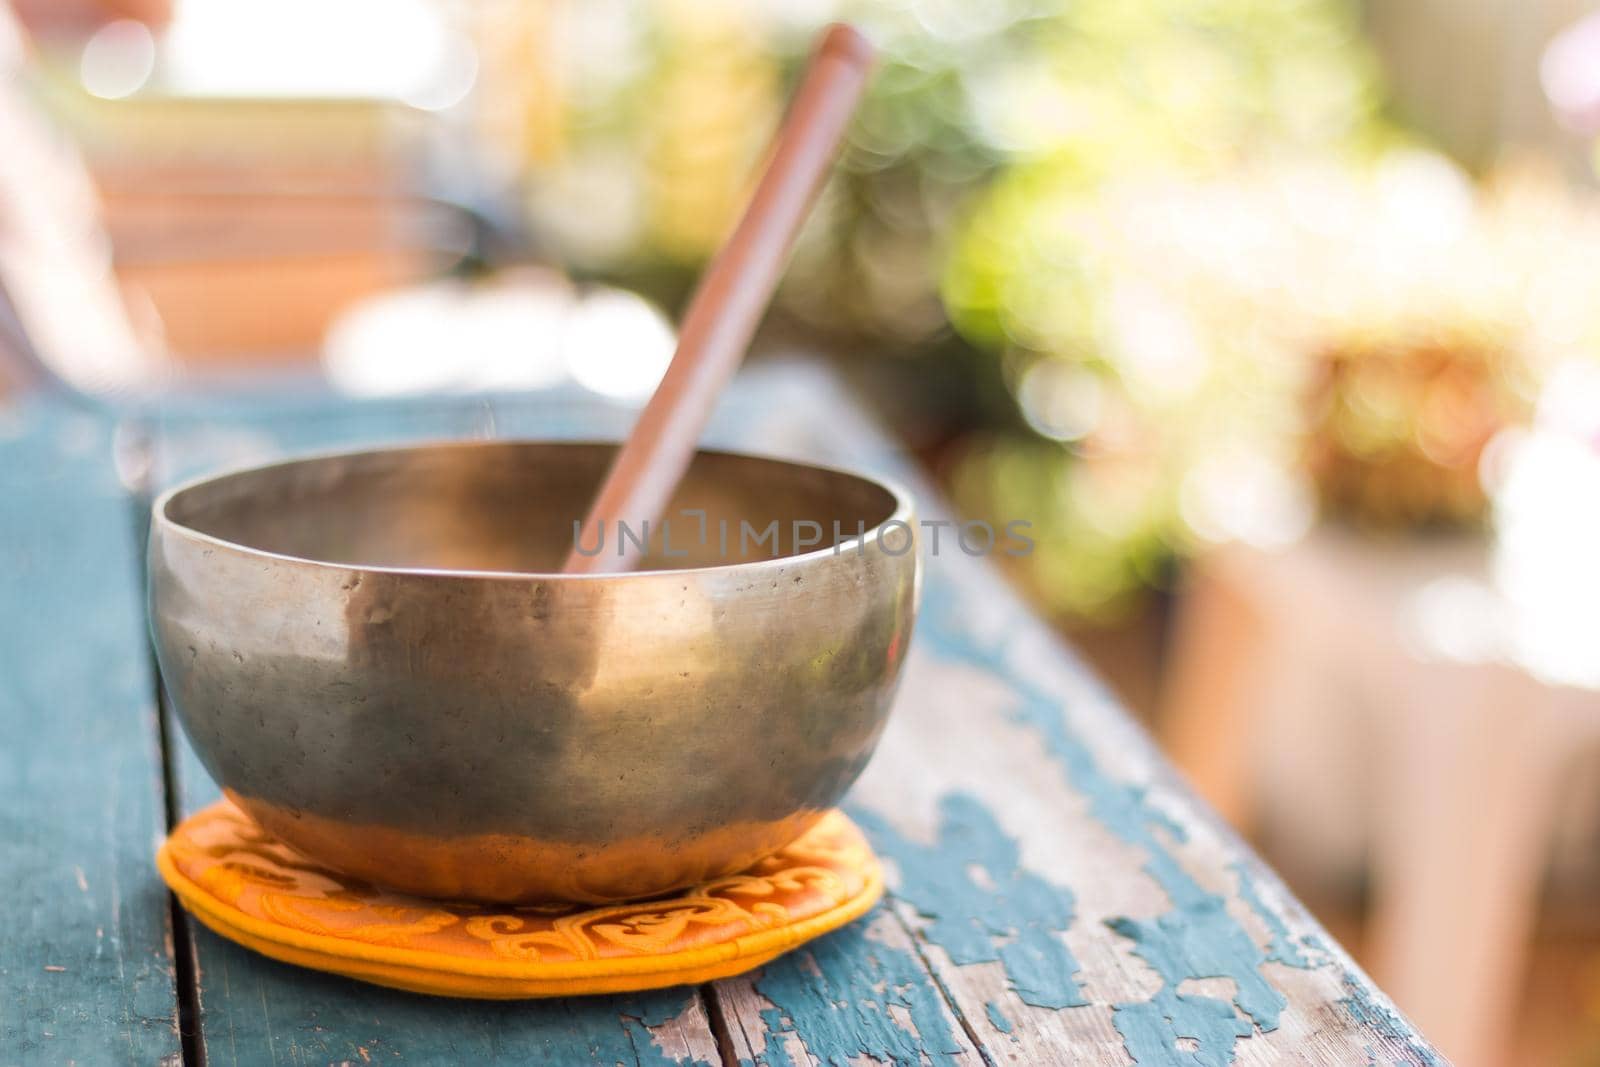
[(862, 993), (1078, 904), (256, 1011), (85, 973)]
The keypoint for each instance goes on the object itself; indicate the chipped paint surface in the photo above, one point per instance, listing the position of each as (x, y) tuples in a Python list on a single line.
[(984, 906), (1366, 1008), (1281, 948), (643, 1013), (1196, 938), (843, 994)]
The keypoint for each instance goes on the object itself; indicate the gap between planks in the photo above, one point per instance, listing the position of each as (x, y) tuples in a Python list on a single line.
[(135, 445)]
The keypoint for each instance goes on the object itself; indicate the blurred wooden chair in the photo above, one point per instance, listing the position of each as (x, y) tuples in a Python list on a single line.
[(1468, 748)]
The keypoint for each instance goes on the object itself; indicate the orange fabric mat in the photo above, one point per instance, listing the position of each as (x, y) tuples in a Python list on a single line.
[(251, 889)]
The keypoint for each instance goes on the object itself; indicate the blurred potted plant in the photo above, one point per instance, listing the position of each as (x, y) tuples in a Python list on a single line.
[(1205, 360)]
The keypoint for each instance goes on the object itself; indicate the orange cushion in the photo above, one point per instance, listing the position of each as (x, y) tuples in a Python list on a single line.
[(249, 888)]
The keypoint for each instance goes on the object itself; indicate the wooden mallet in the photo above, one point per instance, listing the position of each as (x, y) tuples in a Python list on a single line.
[(732, 296)]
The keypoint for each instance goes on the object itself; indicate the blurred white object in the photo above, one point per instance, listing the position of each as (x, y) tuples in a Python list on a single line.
[(617, 344), (1545, 566), (1570, 74), (62, 309), (118, 59), (399, 49), (523, 329)]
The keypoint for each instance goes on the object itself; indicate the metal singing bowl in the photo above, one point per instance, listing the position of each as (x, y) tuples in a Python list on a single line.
[(374, 655)]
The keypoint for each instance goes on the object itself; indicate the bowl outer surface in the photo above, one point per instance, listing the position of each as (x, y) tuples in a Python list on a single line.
[(524, 737)]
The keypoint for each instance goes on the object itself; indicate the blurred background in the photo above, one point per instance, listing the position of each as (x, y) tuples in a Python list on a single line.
[(1279, 319)]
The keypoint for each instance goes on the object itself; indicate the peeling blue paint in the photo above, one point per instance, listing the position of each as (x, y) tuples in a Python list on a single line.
[(641, 1011), (1015, 919), (1281, 948), (1152, 1029), (1204, 941), (997, 1018), (837, 992), (1318, 951), (1197, 938), (1365, 1008)]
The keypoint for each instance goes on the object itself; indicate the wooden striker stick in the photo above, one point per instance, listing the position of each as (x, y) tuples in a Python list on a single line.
[(733, 294)]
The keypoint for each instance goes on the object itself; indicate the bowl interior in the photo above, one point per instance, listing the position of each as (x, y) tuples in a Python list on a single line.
[(511, 507)]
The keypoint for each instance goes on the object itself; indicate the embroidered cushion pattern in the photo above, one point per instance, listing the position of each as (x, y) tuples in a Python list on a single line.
[(247, 886)]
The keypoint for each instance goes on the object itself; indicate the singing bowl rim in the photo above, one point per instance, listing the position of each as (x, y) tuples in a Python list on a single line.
[(904, 513)]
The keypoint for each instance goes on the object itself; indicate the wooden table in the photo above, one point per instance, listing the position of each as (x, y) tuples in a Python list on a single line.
[(1056, 896)]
